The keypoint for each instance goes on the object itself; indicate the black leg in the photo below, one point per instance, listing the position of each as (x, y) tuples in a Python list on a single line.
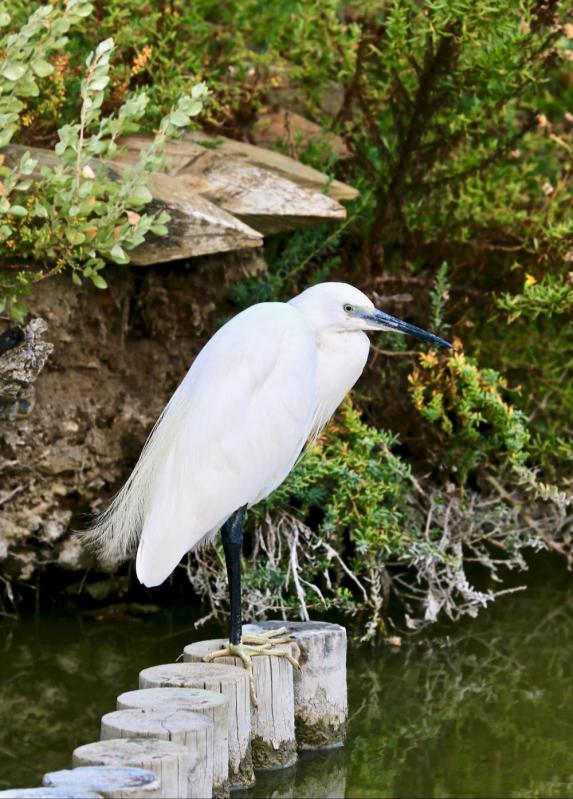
[(232, 535)]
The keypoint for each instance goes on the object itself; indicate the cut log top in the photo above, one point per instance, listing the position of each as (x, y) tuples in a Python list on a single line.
[(233, 682), (272, 724), (197, 699), (49, 793), (171, 725), (192, 675), (117, 751), (115, 783)]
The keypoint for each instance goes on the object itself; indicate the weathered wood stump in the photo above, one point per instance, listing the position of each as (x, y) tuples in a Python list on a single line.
[(111, 783), (168, 760), (272, 723), (48, 793), (320, 696), (230, 681), (213, 705), (193, 731)]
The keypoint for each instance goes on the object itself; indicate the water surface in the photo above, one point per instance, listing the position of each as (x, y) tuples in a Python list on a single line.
[(481, 709)]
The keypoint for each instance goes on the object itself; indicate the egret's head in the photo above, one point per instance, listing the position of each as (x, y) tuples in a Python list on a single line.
[(343, 308)]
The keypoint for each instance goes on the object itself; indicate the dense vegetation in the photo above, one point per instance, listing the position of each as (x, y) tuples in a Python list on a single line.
[(457, 118)]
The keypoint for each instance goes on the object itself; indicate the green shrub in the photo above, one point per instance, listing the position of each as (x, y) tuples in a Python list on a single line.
[(75, 215)]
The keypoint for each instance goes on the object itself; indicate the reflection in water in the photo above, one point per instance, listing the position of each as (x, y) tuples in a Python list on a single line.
[(317, 775), (487, 712)]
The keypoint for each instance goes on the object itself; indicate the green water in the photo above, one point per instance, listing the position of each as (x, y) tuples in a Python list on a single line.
[(482, 709)]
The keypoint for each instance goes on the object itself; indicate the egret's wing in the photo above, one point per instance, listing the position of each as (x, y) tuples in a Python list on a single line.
[(230, 434)]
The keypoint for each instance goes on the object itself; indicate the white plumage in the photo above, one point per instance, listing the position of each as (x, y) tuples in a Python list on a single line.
[(265, 382)]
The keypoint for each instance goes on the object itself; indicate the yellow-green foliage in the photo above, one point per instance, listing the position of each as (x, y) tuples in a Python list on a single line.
[(470, 407)]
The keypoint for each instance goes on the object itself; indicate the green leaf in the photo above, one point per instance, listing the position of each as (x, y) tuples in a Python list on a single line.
[(41, 68), (28, 87), (200, 90), (118, 255), (76, 279), (159, 230), (105, 47), (75, 237), (6, 135), (18, 311), (195, 108), (27, 164), (12, 70), (140, 196), (98, 281), (98, 84), (179, 118), (40, 210), (18, 210), (83, 10)]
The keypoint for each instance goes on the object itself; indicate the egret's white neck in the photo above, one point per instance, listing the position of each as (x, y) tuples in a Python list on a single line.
[(341, 359)]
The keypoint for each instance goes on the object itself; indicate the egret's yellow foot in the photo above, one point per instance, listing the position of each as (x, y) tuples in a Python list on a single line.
[(253, 645)]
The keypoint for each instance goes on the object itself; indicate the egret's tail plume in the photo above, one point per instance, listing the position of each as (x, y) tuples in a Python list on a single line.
[(115, 533)]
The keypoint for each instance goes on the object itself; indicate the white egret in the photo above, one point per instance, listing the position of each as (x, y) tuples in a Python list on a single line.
[(265, 383)]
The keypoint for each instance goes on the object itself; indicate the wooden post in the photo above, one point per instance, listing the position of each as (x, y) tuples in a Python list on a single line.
[(233, 683), (112, 783), (48, 793), (320, 697), (272, 723), (169, 761), (209, 703), (193, 731)]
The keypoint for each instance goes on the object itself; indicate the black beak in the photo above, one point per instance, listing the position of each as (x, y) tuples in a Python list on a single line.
[(387, 322)]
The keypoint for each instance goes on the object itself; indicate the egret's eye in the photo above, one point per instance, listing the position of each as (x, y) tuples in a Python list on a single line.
[(348, 308)]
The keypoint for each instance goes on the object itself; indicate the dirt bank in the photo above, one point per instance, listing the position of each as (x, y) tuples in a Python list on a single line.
[(118, 355)]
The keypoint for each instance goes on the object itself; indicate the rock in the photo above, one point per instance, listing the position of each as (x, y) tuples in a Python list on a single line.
[(298, 173), (197, 226), (21, 364), (262, 198)]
